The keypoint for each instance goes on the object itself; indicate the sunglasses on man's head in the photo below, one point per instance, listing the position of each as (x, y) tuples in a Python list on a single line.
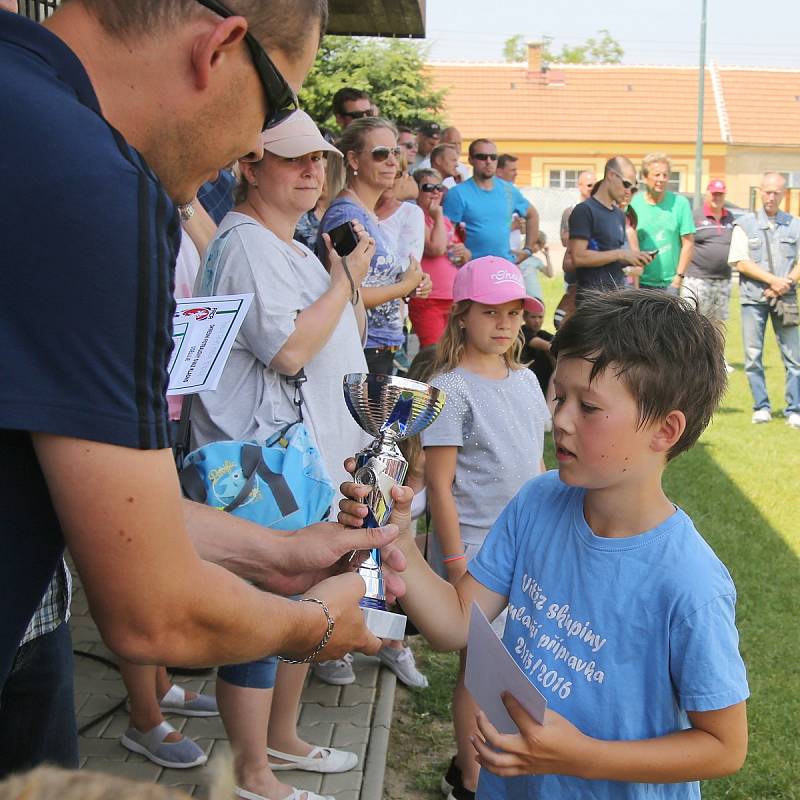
[(627, 184), (431, 187), (281, 98), (382, 153), (485, 156)]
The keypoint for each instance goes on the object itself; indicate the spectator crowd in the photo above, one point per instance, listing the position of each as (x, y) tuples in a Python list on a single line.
[(370, 249)]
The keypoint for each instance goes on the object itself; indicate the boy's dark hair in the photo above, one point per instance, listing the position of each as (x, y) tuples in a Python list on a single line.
[(347, 95), (668, 354)]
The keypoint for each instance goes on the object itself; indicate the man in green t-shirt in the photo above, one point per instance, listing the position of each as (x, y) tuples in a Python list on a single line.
[(665, 225)]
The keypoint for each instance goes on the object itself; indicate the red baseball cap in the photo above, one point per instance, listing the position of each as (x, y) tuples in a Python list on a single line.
[(492, 280), (717, 186)]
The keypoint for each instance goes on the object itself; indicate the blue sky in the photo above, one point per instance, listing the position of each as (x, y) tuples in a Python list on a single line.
[(740, 32)]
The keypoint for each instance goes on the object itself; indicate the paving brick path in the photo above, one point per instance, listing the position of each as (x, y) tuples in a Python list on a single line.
[(355, 717)]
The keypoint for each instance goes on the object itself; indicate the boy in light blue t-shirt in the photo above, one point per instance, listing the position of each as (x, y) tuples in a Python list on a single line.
[(619, 612)]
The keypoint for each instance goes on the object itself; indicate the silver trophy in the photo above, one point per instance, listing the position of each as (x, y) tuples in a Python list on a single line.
[(391, 409)]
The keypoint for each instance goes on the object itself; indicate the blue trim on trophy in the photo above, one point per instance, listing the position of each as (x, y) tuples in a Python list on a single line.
[(372, 602)]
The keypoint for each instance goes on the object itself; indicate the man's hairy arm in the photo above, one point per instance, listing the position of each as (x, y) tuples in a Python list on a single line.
[(153, 598)]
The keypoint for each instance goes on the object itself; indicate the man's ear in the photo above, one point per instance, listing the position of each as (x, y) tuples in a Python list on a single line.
[(667, 433), (213, 47)]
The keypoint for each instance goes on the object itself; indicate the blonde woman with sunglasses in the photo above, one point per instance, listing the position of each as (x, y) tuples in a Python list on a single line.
[(356, 181)]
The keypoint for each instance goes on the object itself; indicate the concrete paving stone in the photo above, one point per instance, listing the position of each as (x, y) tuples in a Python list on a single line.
[(91, 668), (104, 748), (100, 649), (358, 715), (221, 750), (96, 731), (137, 771), (336, 782), (196, 776), (82, 763), (319, 734), (186, 788), (346, 734), (375, 765), (202, 727), (79, 698), (384, 703), (322, 693), (354, 795), (98, 703), (117, 726), (354, 694)]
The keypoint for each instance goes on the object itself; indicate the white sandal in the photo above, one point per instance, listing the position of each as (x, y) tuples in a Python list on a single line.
[(331, 760), (297, 794)]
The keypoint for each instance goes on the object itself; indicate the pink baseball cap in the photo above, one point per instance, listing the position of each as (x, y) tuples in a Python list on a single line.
[(492, 280), (296, 136), (717, 186)]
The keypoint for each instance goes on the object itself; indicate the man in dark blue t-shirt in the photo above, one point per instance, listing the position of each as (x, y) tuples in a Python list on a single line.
[(100, 139), (597, 242)]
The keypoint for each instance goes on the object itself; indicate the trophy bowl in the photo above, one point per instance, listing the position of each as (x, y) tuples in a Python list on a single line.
[(390, 409), (381, 403)]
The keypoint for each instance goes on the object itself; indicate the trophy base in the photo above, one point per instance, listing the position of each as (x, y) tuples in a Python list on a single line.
[(385, 624)]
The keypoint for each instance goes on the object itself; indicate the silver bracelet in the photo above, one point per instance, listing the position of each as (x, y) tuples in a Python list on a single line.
[(325, 638)]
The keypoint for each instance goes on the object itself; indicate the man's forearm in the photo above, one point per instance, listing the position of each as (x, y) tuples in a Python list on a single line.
[(687, 248), (593, 258), (751, 270), (248, 550), (531, 227)]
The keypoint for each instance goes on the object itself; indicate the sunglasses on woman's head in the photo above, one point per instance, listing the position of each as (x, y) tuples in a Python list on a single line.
[(485, 156), (431, 187), (382, 153)]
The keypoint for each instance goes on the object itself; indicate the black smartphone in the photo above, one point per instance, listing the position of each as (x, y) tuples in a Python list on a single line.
[(343, 238)]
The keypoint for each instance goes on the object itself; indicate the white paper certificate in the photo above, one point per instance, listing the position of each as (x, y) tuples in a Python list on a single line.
[(203, 332), (491, 670)]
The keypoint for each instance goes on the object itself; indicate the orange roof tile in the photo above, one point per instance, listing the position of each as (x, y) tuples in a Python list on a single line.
[(763, 106), (615, 102)]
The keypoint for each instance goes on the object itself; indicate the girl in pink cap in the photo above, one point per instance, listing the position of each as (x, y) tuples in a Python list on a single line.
[(484, 446)]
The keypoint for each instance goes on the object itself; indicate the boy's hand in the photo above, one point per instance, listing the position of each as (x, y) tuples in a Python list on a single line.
[(352, 509), (555, 748)]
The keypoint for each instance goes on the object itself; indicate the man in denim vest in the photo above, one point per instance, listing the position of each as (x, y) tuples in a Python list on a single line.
[(764, 248)]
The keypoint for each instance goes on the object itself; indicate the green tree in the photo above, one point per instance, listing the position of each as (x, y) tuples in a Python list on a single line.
[(391, 70), (515, 49), (604, 49)]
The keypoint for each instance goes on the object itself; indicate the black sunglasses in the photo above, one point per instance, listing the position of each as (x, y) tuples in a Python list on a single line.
[(432, 187), (281, 99), (485, 156), (358, 114), (382, 153), (627, 184)]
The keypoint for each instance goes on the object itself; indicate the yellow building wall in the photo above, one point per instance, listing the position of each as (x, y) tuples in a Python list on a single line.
[(746, 165), (536, 159)]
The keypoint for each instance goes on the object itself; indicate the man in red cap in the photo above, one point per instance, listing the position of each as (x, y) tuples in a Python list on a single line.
[(708, 275)]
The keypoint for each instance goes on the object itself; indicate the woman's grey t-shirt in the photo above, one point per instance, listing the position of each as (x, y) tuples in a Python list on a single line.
[(498, 427), (253, 401)]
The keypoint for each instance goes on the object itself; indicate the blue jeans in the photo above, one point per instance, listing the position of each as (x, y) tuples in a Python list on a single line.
[(37, 711), (754, 324)]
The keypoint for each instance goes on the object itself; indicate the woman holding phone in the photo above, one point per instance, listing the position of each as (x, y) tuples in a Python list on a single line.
[(356, 182), (302, 317)]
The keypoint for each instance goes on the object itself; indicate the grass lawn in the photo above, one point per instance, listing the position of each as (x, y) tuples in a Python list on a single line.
[(741, 486)]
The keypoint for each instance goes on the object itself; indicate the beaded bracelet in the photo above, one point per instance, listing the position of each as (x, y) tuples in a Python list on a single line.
[(325, 639)]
